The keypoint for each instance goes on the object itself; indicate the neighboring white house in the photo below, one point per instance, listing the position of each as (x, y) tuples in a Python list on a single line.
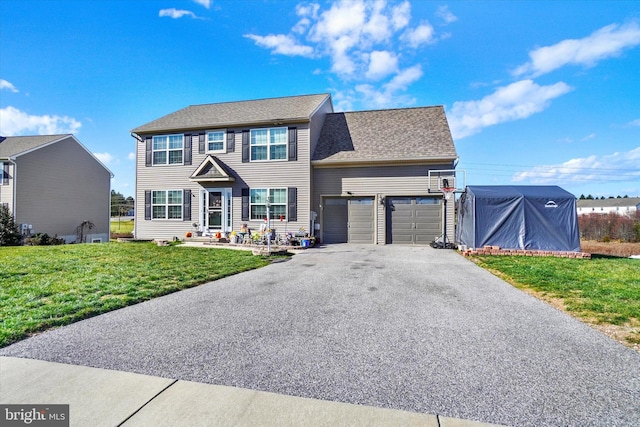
[(621, 206)]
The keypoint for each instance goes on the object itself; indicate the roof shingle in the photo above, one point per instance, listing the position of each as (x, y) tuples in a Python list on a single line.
[(207, 116), (14, 145), (403, 134)]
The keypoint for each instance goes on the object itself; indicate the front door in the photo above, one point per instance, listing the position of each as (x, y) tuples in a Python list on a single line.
[(216, 210)]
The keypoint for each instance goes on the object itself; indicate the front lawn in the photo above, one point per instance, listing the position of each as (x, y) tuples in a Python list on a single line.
[(46, 286), (603, 291)]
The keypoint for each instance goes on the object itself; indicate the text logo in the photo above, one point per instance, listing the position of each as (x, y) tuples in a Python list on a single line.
[(34, 415), (551, 204)]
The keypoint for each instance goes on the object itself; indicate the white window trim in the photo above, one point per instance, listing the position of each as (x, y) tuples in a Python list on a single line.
[(166, 150), (268, 145), (224, 141), (167, 204), (268, 189)]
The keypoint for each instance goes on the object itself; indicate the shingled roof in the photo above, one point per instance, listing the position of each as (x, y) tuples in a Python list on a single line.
[(13, 145), (261, 111), (405, 134)]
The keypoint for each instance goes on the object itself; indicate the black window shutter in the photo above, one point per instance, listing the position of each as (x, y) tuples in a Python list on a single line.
[(245, 146), (201, 148), (245, 204), (293, 144), (148, 158), (147, 204), (186, 205), (5, 173), (231, 142), (187, 149), (293, 204)]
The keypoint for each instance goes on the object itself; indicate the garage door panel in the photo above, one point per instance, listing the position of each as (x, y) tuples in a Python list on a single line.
[(414, 220), (361, 220)]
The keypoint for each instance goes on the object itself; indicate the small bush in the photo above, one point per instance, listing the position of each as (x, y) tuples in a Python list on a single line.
[(43, 239)]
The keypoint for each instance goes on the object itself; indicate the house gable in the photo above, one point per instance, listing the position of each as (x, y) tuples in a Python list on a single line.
[(212, 170)]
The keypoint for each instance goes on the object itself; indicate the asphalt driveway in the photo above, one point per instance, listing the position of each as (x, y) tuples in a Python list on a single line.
[(401, 327)]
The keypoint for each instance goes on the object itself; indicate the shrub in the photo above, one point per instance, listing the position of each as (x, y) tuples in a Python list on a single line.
[(43, 239), (611, 226), (9, 232)]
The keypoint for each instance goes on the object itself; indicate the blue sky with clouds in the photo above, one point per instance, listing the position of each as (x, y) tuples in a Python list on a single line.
[(536, 92)]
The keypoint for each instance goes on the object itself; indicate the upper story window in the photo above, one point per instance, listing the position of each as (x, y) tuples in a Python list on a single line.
[(269, 144), (168, 149), (215, 141)]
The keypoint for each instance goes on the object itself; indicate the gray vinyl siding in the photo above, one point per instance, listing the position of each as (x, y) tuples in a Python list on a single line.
[(267, 174), (58, 187), (6, 191), (317, 121), (378, 182)]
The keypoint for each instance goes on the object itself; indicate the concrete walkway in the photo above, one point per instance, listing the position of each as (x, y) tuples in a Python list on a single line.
[(101, 397)]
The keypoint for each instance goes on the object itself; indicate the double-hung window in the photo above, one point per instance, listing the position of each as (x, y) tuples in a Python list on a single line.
[(167, 149), (258, 203), (166, 204), (269, 144), (215, 141)]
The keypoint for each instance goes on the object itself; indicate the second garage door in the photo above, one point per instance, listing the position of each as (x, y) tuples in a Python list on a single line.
[(348, 220), (413, 220)]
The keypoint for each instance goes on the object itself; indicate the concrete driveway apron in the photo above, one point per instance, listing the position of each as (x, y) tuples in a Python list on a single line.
[(411, 328)]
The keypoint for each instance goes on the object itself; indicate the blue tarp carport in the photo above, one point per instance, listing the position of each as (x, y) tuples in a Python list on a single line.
[(518, 217)]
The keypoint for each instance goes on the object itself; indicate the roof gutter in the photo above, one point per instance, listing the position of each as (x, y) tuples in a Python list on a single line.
[(382, 162), (189, 128)]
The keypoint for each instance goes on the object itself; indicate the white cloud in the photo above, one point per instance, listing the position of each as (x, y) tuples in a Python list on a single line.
[(176, 13), (7, 85), (15, 122), (363, 41), (617, 166), (105, 158), (445, 14), (422, 34), (515, 101), (588, 137), (282, 44), (401, 15), (635, 122), (205, 3), (131, 156), (381, 64), (388, 95), (604, 43)]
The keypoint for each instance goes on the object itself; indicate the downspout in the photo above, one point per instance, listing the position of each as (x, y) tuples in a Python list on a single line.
[(135, 190)]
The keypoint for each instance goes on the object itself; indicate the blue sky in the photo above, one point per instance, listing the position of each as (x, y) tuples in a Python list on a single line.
[(538, 92)]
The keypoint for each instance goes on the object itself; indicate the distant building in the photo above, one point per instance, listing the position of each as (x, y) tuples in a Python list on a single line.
[(626, 206)]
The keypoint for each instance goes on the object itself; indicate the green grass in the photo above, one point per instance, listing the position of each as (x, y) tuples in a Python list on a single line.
[(47, 286), (123, 226), (603, 290)]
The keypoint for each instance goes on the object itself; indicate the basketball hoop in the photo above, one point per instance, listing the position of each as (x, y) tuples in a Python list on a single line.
[(448, 192)]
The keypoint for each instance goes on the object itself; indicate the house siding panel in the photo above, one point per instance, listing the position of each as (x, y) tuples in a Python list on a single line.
[(384, 181), (60, 186), (268, 174)]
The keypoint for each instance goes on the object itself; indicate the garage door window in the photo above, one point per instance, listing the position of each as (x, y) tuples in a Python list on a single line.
[(427, 201)]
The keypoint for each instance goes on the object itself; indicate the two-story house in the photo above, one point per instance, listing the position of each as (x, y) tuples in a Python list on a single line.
[(52, 184), (345, 177)]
